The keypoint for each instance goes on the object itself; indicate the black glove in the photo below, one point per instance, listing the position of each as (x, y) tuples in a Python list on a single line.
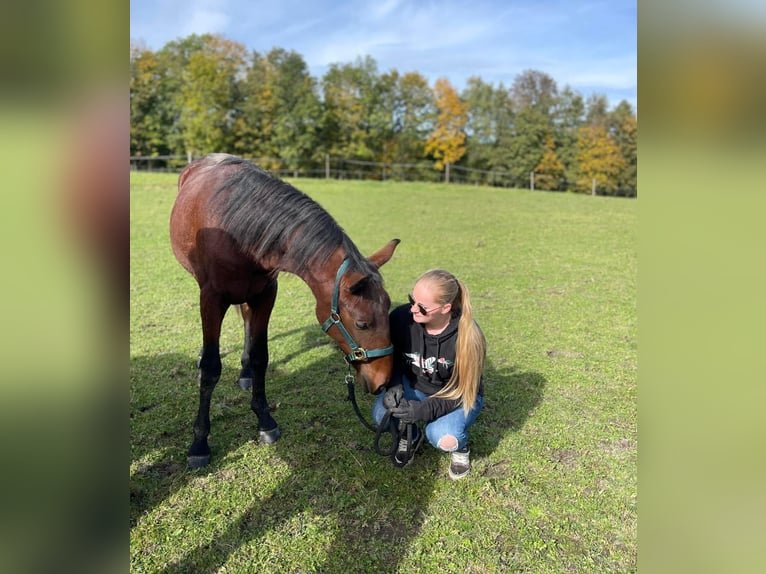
[(405, 411), (393, 396)]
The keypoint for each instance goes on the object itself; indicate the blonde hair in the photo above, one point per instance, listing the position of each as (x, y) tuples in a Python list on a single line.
[(471, 346)]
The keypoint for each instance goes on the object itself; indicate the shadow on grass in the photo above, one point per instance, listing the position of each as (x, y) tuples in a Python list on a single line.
[(375, 510), (510, 397)]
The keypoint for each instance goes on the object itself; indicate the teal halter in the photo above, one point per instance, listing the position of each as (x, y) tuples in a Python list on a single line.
[(357, 353)]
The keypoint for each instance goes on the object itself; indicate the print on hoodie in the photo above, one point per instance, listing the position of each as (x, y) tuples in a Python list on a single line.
[(427, 364)]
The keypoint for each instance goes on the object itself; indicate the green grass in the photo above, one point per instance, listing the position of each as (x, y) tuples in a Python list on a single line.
[(554, 480)]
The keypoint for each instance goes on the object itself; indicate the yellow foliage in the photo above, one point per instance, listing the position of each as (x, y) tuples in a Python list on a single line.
[(550, 171), (447, 142), (599, 159)]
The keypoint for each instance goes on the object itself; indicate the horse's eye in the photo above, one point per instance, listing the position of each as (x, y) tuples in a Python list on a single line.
[(362, 326)]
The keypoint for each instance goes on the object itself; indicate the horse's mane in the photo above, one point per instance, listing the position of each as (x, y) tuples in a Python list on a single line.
[(267, 216)]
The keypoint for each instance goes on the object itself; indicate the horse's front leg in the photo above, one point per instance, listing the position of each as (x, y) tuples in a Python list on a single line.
[(212, 311), (258, 351)]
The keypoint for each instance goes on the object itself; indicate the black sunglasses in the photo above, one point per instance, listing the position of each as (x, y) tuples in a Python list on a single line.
[(423, 310)]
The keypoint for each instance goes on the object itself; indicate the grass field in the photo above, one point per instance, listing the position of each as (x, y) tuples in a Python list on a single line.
[(554, 480)]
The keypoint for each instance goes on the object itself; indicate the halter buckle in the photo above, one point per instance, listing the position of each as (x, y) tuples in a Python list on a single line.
[(359, 354)]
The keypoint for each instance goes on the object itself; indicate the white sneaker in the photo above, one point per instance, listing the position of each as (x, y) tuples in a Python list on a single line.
[(404, 456), (460, 463)]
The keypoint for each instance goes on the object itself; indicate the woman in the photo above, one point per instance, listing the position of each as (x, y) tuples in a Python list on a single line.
[(439, 353)]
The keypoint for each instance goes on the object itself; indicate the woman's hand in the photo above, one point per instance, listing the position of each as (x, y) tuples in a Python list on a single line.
[(405, 411)]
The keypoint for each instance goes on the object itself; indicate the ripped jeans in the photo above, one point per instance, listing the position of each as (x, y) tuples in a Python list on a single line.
[(455, 423)]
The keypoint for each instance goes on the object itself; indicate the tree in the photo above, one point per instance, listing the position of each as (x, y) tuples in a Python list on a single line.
[(599, 159), (147, 130), (597, 110), (446, 142), (490, 119), (278, 123), (209, 95), (623, 127), (534, 89), (413, 108), (174, 59), (298, 110), (349, 98), (550, 171), (521, 143), (568, 118), (522, 149)]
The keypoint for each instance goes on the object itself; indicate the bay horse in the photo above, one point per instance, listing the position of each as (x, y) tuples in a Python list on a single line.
[(235, 227)]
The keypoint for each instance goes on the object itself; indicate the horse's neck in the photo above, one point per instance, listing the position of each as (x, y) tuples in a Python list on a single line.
[(321, 281)]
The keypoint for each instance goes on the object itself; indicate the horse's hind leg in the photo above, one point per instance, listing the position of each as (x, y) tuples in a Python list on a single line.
[(212, 311), (258, 351), (246, 374)]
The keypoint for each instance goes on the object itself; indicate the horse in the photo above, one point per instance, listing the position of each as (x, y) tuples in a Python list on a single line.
[(234, 227)]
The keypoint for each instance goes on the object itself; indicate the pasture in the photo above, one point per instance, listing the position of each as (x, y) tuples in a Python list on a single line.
[(553, 280)]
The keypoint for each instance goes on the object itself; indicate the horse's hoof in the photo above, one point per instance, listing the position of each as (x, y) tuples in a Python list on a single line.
[(198, 460), (246, 384), (270, 436)]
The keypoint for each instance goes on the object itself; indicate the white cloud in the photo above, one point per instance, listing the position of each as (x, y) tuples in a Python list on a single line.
[(204, 17), (493, 39), (204, 21)]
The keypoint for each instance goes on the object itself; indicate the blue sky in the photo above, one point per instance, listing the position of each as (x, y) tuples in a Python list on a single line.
[(589, 45)]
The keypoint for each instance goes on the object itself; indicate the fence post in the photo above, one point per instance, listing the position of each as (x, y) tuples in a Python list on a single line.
[(327, 166), (446, 173), (532, 180), (593, 192)]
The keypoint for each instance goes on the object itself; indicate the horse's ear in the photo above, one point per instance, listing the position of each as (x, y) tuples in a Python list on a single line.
[(383, 255)]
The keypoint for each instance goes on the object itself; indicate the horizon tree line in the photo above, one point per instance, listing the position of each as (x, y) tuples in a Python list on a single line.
[(205, 93)]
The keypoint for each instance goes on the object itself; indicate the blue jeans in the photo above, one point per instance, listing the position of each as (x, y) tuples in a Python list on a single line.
[(455, 423)]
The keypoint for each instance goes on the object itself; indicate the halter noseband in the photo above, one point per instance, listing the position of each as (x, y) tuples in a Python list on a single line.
[(357, 353)]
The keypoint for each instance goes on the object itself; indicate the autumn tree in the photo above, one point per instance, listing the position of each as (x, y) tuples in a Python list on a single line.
[(599, 160), (446, 143), (204, 93), (550, 171)]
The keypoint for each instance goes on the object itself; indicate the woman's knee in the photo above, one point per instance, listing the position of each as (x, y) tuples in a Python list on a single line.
[(442, 439), (447, 443)]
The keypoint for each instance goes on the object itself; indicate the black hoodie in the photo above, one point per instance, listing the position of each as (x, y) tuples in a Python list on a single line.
[(426, 360)]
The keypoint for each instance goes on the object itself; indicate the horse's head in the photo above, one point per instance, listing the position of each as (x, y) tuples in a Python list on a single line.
[(359, 321)]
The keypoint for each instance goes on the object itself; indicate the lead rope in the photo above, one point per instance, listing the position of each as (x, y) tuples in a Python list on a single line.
[(385, 425)]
